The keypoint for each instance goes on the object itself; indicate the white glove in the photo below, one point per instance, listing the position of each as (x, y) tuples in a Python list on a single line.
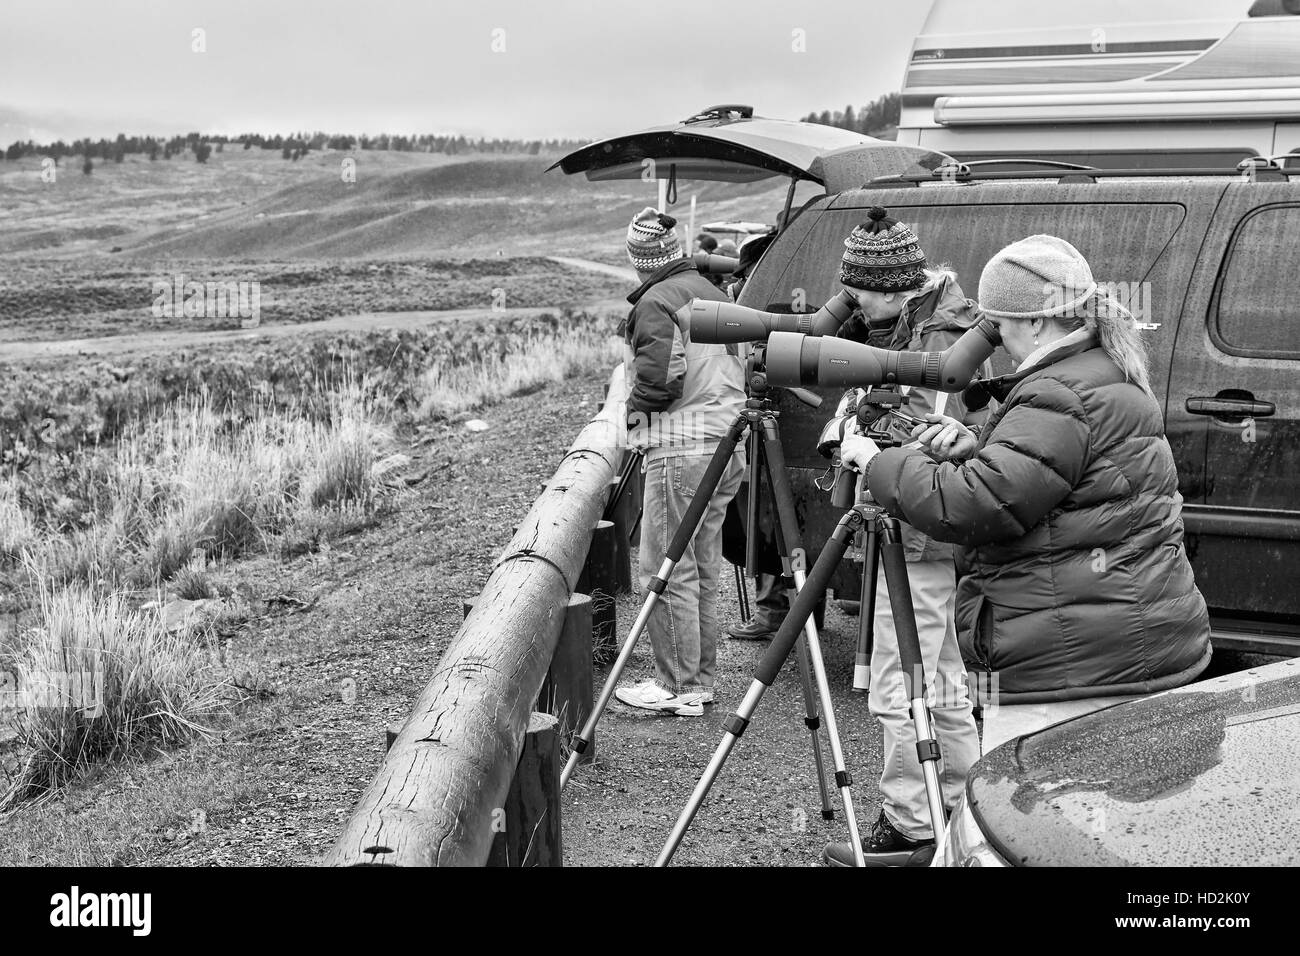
[(856, 451)]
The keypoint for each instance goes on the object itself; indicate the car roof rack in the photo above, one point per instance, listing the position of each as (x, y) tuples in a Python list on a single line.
[(722, 112), (971, 164), (1265, 169)]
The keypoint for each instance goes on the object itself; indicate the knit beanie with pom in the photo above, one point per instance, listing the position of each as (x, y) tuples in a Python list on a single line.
[(652, 240), (882, 255)]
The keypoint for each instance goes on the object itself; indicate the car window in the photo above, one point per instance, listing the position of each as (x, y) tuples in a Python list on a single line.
[(1256, 311)]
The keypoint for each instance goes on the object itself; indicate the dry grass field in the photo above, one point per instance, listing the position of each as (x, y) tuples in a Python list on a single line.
[(229, 554)]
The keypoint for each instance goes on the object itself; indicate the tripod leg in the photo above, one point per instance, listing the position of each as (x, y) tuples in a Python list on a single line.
[(742, 593), (769, 666), (812, 720), (751, 503), (789, 525), (676, 548), (913, 667), (866, 614), (631, 462)]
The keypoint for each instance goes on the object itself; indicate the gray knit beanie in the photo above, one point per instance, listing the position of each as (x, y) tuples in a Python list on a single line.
[(1036, 278)]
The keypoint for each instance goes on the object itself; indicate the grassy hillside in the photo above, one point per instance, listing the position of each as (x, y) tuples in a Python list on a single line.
[(253, 204)]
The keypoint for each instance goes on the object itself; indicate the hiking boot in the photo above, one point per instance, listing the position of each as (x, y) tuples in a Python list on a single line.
[(885, 846), (648, 695), (763, 626), (756, 630)]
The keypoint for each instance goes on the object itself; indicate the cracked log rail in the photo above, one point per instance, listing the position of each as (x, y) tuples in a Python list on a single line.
[(432, 802)]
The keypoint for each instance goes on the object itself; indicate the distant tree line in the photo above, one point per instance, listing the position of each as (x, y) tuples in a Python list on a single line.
[(875, 116), (290, 147)]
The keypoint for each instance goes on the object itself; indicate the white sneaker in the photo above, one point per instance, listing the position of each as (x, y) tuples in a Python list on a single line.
[(650, 696), (704, 697)]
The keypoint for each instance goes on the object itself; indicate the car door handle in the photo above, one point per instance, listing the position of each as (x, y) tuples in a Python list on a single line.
[(1228, 407)]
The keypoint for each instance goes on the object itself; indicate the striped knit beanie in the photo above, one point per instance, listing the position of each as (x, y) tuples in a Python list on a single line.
[(652, 240), (882, 255)]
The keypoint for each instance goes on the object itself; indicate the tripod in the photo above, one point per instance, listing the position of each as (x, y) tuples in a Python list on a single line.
[(864, 515), (759, 417)]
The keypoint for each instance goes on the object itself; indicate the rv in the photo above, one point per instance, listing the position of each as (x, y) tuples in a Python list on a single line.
[(1188, 83)]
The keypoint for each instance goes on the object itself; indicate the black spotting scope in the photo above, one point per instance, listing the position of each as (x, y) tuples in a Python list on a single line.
[(725, 322), (794, 359), (711, 264)]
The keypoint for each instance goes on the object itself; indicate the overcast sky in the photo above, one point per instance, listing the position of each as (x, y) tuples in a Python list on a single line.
[(567, 68)]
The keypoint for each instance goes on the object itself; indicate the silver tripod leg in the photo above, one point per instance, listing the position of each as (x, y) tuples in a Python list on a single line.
[(933, 794), (832, 729), (813, 723)]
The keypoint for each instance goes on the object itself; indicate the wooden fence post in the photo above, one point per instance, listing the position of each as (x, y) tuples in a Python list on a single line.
[(527, 829), (435, 797), (624, 512), (566, 691), (599, 578)]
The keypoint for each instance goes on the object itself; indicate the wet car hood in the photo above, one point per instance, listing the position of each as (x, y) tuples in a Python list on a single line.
[(1205, 775)]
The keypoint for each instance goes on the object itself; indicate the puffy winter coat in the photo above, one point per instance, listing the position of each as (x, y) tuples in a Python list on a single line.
[(682, 395), (1074, 581)]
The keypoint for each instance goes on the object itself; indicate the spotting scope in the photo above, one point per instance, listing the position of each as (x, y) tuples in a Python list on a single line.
[(710, 264), (725, 322), (796, 359)]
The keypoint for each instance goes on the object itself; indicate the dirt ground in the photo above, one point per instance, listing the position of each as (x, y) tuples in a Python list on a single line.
[(765, 808)]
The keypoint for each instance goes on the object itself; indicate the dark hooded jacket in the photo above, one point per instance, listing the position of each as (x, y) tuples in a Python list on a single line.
[(1074, 581), (683, 396)]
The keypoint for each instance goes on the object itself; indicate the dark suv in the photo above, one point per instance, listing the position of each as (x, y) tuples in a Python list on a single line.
[(1209, 264)]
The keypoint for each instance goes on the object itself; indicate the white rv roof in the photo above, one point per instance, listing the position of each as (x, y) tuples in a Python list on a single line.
[(1013, 16)]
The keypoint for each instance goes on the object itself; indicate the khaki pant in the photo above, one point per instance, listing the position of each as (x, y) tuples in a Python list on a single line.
[(902, 786)]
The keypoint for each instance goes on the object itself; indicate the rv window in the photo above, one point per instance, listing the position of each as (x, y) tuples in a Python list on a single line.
[(1257, 309)]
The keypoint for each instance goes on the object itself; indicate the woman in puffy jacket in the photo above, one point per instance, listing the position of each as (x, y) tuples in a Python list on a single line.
[(1075, 589)]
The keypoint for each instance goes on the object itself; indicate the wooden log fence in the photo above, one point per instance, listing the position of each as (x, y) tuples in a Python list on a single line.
[(453, 772)]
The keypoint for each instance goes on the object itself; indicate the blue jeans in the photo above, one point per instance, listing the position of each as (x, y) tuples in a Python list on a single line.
[(683, 625)]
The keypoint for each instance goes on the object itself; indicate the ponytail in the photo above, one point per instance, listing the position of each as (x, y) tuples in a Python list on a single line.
[(1117, 333)]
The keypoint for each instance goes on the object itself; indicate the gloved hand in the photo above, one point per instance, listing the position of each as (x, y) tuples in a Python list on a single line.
[(856, 451), (844, 422)]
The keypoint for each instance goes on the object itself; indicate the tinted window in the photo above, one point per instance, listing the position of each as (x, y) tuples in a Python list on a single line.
[(1257, 310)]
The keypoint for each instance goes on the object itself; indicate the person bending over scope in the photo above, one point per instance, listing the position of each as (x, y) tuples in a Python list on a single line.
[(1075, 589), (906, 306)]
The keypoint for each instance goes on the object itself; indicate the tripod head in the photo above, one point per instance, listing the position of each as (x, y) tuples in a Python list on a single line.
[(873, 410)]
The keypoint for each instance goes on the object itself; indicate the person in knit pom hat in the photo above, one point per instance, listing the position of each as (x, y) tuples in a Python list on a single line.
[(652, 240), (682, 398), (1076, 592), (905, 305), (882, 255)]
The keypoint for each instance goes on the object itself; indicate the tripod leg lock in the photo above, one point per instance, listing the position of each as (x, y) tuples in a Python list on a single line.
[(843, 779), (579, 745), (735, 724), (927, 750), (812, 723), (657, 585)]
